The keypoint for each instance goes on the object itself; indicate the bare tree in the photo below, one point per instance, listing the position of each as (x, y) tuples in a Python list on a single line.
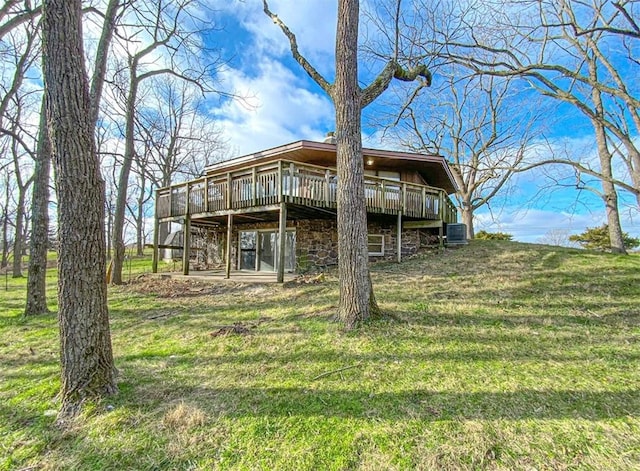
[(87, 361), (36, 284), (15, 103), (171, 38), (473, 122), (36, 302), (357, 300), (564, 50)]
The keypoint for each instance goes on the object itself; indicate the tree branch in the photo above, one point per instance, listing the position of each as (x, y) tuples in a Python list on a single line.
[(308, 68)]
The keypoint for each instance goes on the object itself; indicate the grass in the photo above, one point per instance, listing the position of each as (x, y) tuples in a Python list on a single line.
[(498, 355)]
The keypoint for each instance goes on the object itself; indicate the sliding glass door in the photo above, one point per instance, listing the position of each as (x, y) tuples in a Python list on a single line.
[(259, 251)]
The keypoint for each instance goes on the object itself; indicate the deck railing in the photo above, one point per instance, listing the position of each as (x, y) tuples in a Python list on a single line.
[(302, 184)]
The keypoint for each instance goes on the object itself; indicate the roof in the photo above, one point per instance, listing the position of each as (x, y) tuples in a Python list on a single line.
[(433, 168)]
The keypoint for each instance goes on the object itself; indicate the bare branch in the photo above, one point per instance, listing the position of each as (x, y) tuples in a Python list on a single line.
[(300, 59)]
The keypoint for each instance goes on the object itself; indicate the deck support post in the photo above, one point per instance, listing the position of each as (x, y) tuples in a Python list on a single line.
[(227, 271), (186, 239), (399, 236), (156, 238), (282, 241), (441, 234)]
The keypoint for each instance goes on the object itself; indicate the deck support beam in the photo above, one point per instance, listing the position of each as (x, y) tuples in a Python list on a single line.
[(227, 272), (156, 239), (282, 241), (399, 236), (186, 239)]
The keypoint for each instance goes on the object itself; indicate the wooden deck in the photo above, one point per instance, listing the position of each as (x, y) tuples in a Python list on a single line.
[(265, 186)]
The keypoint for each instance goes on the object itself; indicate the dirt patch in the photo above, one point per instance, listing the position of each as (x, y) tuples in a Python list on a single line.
[(238, 328), (171, 288)]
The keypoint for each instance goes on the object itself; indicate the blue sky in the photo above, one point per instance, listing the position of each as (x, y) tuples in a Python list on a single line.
[(282, 105)]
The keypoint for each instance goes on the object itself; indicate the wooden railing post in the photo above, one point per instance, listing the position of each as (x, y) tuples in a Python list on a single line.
[(206, 194), (441, 211), (229, 192), (280, 182), (171, 201), (404, 198), (327, 188), (292, 170), (254, 177), (384, 195), (187, 200)]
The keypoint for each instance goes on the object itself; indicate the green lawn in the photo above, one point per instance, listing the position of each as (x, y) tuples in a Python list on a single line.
[(497, 355)]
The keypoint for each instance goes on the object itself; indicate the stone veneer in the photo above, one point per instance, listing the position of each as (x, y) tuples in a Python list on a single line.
[(316, 243)]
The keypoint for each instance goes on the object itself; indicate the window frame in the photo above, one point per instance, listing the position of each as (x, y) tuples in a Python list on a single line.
[(380, 243)]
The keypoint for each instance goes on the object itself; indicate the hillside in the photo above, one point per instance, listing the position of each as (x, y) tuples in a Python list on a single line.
[(496, 355)]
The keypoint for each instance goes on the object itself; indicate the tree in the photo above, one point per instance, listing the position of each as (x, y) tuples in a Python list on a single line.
[(580, 53), (597, 238), (36, 283), (21, 52), (472, 122), (87, 361), (175, 141), (171, 39), (357, 300)]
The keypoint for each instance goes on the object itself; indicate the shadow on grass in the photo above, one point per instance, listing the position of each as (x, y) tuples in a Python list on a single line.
[(418, 404)]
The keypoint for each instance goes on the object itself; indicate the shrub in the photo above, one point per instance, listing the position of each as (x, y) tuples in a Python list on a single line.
[(597, 238), (484, 235)]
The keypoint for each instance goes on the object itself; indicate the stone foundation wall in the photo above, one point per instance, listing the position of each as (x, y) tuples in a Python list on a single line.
[(316, 243)]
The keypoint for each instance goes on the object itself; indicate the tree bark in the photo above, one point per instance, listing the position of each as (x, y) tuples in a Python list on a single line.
[(123, 180), (466, 210), (609, 194), (38, 245), (86, 356), (353, 259), (18, 236)]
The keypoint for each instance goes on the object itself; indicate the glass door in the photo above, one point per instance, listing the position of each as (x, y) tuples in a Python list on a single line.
[(247, 250), (268, 251), (268, 248)]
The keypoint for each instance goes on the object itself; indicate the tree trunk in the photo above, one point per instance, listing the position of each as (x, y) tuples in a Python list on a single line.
[(609, 194), (466, 210), (353, 259), (123, 183), (5, 227), (18, 235), (87, 360), (38, 246), (140, 219)]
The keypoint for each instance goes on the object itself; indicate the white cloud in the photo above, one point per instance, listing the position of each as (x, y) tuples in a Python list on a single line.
[(279, 109)]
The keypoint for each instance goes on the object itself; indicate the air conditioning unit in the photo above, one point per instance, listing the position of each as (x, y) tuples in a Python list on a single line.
[(456, 233)]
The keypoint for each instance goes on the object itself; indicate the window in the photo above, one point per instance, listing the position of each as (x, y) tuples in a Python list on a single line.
[(375, 243)]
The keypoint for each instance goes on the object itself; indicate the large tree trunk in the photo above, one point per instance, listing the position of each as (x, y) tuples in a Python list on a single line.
[(87, 360), (609, 194), (466, 210), (353, 259), (38, 246)]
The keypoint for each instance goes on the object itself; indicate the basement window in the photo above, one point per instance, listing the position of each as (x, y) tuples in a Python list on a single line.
[(375, 243)]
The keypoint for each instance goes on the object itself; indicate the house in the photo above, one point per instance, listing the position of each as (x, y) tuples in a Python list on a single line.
[(275, 210)]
